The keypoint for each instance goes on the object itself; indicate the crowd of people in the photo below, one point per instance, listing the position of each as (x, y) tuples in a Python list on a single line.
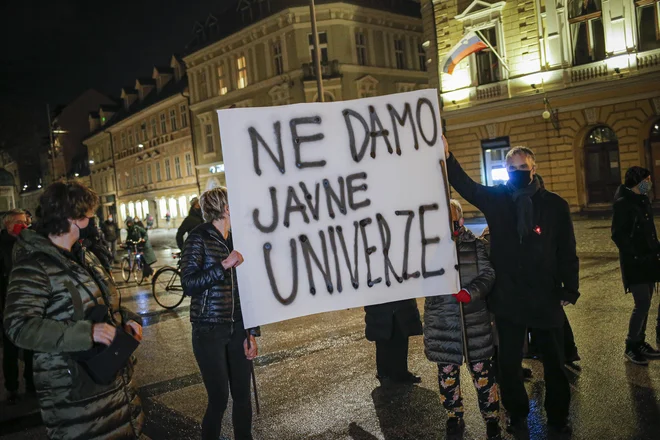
[(61, 306)]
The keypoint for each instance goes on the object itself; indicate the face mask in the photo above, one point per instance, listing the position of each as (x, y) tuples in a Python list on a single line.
[(84, 233), (520, 178), (644, 187), (18, 227)]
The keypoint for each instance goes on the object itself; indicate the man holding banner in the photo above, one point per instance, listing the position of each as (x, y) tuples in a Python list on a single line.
[(534, 255)]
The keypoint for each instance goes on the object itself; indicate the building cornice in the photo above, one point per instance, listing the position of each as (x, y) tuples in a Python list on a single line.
[(147, 112)]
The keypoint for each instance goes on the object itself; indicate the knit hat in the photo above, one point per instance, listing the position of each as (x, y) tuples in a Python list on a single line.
[(635, 175)]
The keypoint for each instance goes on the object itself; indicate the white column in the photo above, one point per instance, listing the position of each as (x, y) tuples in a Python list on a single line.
[(371, 47)]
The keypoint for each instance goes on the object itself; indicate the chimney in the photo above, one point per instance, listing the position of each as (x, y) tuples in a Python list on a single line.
[(128, 95)]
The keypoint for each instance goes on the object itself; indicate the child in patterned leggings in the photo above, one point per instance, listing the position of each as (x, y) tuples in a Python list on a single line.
[(443, 334)]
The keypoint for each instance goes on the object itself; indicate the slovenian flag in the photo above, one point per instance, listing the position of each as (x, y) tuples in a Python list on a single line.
[(469, 44)]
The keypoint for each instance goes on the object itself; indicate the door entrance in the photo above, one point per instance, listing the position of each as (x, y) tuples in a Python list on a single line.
[(602, 167)]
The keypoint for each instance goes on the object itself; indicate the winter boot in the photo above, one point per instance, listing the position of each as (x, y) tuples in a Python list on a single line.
[(455, 428), (634, 355), (493, 429), (648, 351)]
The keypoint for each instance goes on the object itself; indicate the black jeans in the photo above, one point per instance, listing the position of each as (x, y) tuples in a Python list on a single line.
[(10, 365), (392, 355), (557, 389), (642, 294), (219, 352)]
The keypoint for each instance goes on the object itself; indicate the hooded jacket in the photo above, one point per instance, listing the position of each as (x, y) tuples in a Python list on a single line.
[(193, 220), (634, 233), (136, 233), (443, 328), (45, 312)]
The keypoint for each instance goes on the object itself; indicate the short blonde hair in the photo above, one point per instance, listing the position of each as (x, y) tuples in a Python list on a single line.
[(455, 205), (523, 151), (9, 216), (214, 202)]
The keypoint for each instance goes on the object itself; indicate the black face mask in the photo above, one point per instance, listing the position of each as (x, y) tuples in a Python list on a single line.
[(457, 228), (520, 178), (87, 231)]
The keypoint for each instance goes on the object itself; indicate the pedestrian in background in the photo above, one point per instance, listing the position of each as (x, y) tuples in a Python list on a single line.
[(62, 306), (222, 347), (138, 234), (14, 222), (634, 233), (193, 220), (534, 254), (111, 233), (168, 217), (445, 326)]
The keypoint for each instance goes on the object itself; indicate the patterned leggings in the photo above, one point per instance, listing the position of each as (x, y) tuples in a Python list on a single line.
[(483, 374)]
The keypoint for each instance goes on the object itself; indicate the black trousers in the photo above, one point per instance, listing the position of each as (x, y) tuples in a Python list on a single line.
[(392, 355), (10, 365), (557, 389), (218, 349), (642, 294), (570, 349)]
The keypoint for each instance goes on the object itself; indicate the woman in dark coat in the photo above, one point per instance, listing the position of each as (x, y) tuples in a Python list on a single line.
[(222, 346), (444, 328)]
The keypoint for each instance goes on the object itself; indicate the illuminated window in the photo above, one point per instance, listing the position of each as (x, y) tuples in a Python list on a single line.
[(208, 133), (172, 206), (189, 168), (421, 57), (494, 151), (222, 82), (361, 48), (177, 167), (399, 54), (145, 207), (138, 210), (183, 205), (587, 32), (122, 211), (487, 64), (163, 124), (184, 116), (131, 209), (241, 65), (173, 119), (277, 58), (168, 170), (323, 46), (162, 207), (648, 24)]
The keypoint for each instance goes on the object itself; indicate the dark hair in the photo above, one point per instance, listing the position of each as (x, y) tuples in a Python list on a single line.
[(62, 201), (635, 175)]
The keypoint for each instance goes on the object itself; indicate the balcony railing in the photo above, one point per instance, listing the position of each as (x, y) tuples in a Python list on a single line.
[(588, 72), (648, 60), (488, 92), (328, 70)]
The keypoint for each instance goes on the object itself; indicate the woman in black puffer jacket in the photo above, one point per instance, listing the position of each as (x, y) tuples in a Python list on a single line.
[(444, 326), (219, 339)]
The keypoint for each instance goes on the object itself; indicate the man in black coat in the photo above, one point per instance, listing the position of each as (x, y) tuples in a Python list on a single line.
[(534, 255), (194, 219), (390, 325), (14, 222), (110, 231), (634, 233)]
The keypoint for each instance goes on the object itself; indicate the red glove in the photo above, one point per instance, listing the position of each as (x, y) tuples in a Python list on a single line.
[(463, 296)]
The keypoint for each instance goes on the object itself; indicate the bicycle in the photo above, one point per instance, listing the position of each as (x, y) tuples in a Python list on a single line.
[(133, 262), (166, 285)]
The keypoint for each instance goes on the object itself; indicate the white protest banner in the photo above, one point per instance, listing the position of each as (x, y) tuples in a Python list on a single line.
[(338, 205)]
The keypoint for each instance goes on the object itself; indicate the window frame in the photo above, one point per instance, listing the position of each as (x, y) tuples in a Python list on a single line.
[(143, 129), (177, 167), (475, 57), (361, 48), (325, 56), (642, 4), (487, 146), (209, 142), (421, 57), (154, 127), (173, 119), (163, 123), (168, 169), (222, 84), (184, 115), (189, 167), (278, 59), (203, 88), (399, 53), (159, 176), (242, 79), (150, 176)]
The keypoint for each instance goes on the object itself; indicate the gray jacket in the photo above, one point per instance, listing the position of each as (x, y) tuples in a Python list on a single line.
[(442, 319)]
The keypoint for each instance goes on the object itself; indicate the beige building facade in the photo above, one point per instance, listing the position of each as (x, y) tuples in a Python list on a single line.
[(141, 155), (576, 81), (365, 51)]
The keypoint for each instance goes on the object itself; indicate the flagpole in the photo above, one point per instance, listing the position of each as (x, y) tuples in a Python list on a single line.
[(493, 49)]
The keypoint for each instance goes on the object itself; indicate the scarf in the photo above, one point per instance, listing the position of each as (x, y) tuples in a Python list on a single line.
[(524, 209)]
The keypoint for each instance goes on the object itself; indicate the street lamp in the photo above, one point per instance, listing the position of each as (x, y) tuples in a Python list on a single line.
[(91, 162), (77, 175)]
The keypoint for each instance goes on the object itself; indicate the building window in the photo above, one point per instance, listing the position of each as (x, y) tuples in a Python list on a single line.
[(122, 211), (487, 63), (128, 181), (648, 24), (135, 177), (222, 83), (131, 139), (183, 205), (150, 178), (172, 205), (587, 32), (361, 48), (494, 151), (421, 57), (123, 140), (241, 65), (177, 167), (168, 170), (143, 129), (141, 176), (163, 124), (173, 119), (203, 90), (208, 133), (277, 58), (162, 207), (602, 167), (399, 54), (189, 168), (154, 127), (131, 209), (323, 46), (158, 175), (184, 116)]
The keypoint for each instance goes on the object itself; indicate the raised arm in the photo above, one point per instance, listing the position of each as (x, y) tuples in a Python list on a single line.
[(476, 194), (195, 278), (25, 318)]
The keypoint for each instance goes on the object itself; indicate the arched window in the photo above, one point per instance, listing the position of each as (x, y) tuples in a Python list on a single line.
[(602, 169)]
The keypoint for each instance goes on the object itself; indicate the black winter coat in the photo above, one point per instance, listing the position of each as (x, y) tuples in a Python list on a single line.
[(7, 243), (443, 329), (634, 233), (193, 220), (534, 274), (110, 231), (380, 320), (213, 289)]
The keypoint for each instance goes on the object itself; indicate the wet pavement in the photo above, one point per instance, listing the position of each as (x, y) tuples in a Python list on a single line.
[(316, 379)]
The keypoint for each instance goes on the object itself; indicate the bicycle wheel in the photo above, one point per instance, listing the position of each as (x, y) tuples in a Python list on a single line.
[(138, 273), (125, 269), (167, 288)]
